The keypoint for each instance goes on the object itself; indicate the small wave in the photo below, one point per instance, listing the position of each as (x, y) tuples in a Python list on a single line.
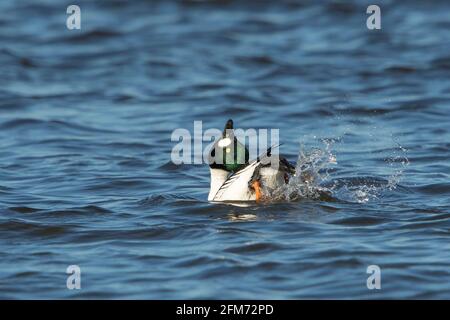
[(21, 60), (359, 221), (88, 210), (434, 189), (197, 261), (20, 123), (129, 145), (24, 209), (134, 163), (33, 228), (166, 198), (255, 60), (58, 124), (436, 216), (4, 189), (116, 184), (170, 166), (94, 35), (157, 232), (254, 248), (341, 8), (25, 274), (441, 63)]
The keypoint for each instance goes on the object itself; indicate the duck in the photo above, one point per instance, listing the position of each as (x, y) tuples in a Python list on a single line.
[(235, 178)]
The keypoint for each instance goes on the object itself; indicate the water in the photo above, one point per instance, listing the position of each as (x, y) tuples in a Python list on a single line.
[(86, 118)]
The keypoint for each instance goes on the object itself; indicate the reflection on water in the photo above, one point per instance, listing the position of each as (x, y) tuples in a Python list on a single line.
[(242, 217)]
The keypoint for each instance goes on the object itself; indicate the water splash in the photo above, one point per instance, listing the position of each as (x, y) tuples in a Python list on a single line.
[(399, 161), (312, 171), (313, 178)]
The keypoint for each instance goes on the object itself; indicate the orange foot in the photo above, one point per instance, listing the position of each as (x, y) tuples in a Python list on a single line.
[(257, 187)]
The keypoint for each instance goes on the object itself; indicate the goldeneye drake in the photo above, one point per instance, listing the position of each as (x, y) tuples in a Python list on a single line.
[(236, 178)]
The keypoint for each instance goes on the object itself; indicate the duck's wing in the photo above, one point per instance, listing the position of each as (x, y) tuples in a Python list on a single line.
[(237, 184)]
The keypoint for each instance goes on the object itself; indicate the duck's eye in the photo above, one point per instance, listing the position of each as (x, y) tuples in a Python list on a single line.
[(225, 142)]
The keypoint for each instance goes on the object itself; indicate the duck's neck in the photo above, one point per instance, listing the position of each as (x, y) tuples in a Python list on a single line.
[(218, 177)]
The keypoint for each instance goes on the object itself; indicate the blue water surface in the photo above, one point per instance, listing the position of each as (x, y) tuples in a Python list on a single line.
[(86, 178)]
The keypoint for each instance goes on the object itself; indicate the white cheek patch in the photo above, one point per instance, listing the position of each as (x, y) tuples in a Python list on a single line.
[(225, 142)]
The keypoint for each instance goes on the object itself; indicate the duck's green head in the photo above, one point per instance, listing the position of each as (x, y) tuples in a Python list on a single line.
[(228, 153)]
